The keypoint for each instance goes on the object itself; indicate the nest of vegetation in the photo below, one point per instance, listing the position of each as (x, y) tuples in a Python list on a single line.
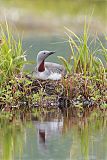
[(75, 91)]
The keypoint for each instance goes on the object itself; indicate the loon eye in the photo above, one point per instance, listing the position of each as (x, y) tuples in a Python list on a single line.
[(44, 53)]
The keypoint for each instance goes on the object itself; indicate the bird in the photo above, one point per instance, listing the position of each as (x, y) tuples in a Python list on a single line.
[(48, 70)]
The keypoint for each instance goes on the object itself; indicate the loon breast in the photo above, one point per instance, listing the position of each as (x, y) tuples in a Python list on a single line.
[(53, 71)]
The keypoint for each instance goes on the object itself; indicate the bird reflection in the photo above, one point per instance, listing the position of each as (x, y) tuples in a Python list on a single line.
[(42, 136), (46, 131)]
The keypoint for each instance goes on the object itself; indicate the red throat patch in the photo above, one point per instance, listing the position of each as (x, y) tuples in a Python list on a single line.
[(41, 68)]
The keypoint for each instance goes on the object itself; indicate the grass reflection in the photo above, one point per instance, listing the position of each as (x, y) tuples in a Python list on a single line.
[(90, 141), (12, 137)]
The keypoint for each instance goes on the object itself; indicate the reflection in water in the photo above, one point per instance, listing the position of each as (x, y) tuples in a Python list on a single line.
[(46, 131), (12, 138), (42, 136), (53, 136)]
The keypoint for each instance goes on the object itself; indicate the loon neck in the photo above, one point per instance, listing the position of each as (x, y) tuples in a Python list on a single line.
[(41, 67)]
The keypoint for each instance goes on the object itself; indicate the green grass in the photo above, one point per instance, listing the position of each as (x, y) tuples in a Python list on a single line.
[(83, 59), (11, 54)]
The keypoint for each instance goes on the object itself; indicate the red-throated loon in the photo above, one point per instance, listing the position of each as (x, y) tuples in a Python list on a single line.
[(48, 70)]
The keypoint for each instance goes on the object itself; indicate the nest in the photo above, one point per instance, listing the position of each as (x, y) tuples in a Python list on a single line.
[(75, 91)]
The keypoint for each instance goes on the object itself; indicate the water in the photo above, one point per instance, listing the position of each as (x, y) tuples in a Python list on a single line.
[(52, 136), (33, 44)]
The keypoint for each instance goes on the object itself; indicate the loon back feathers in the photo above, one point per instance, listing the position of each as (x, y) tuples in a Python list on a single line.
[(55, 68)]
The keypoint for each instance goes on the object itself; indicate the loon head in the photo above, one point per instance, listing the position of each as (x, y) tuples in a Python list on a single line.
[(42, 55)]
